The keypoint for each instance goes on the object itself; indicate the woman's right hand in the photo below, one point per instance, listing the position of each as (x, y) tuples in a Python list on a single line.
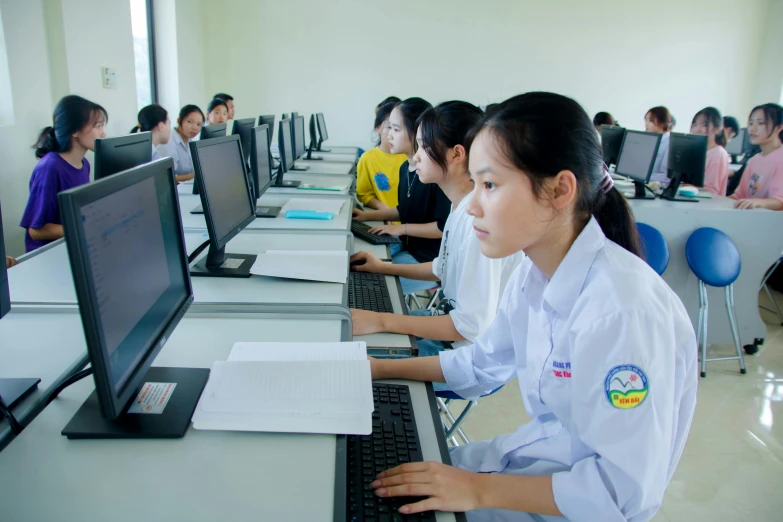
[(366, 262)]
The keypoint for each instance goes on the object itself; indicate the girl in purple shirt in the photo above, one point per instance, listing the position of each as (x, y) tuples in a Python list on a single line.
[(61, 166)]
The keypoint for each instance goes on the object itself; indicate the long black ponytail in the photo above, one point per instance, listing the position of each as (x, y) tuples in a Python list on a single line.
[(542, 134), (71, 114), (150, 117)]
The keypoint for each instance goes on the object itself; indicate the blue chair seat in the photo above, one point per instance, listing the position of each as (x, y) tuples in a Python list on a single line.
[(713, 257), (655, 249)]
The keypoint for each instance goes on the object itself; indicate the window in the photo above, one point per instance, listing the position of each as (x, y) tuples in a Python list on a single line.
[(144, 52), (6, 100)]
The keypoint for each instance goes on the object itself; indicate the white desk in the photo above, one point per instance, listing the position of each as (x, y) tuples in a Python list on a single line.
[(341, 222), (339, 149), (48, 345), (314, 179), (324, 167), (333, 157), (751, 232), (207, 475)]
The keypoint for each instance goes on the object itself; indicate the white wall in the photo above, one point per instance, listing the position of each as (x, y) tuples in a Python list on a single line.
[(769, 87), (343, 57), (190, 48), (166, 60)]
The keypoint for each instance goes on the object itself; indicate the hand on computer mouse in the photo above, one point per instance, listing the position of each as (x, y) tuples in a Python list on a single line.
[(358, 215), (365, 262)]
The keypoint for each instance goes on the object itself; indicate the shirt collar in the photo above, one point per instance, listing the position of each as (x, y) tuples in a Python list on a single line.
[(562, 291)]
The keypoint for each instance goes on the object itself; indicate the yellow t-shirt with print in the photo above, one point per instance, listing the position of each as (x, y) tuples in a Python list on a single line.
[(378, 175)]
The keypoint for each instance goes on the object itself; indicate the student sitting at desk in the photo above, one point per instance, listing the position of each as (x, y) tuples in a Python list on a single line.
[(422, 209), (472, 283), (155, 119), (659, 119), (229, 103), (60, 150), (189, 124), (708, 122), (604, 350), (378, 171), (217, 112), (730, 128), (761, 185), (603, 118)]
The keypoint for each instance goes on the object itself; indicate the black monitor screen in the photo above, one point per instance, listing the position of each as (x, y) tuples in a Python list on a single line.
[(299, 137), (225, 185), (285, 145), (268, 119), (637, 155), (260, 160), (113, 155), (244, 128), (611, 141), (5, 298), (688, 157), (322, 127), (218, 130), (736, 146)]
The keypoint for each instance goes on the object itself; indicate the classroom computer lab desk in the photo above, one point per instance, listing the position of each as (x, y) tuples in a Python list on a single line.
[(757, 234), (347, 182), (205, 476), (333, 157)]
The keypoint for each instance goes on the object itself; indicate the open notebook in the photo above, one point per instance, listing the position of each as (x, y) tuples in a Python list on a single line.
[(289, 387)]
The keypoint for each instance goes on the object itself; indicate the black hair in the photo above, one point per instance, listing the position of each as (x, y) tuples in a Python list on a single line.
[(71, 114), (187, 110), (491, 108), (447, 126), (411, 109), (542, 134), (730, 122), (603, 118), (150, 117), (390, 99), (383, 115), (215, 103), (773, 113), (661, 116), (223, 96), (713, 117)]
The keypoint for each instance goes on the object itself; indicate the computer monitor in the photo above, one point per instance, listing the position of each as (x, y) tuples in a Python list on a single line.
[(285, 147), (113, 155), (227, 202), (611, 141), (297, 142), (218, 130), (311, 147), (243, 128), (127, 253), (321, 122), (687, 160), (294, 115), (268, 119), (5, 296), (739, 144), (637, 157), (261, 169)]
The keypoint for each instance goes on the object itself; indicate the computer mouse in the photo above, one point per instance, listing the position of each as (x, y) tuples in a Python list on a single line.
[(689, 192), (358, 262)]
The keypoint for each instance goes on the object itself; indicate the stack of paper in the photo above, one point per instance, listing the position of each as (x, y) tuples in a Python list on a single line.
[(289, 387), (332, 205), (327, 266)]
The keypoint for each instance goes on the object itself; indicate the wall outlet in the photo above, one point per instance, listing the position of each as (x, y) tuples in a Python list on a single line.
[(108, 78)]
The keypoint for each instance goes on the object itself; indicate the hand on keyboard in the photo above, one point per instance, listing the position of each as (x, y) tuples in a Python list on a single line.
[(365, 323), (358, 215), (366, 262), (448, 488), (388, 230)]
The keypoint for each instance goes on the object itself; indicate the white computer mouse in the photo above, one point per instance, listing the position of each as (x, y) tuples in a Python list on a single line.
[(689, 192)]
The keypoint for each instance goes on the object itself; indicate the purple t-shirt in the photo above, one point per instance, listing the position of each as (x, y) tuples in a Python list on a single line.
[(51, 175)]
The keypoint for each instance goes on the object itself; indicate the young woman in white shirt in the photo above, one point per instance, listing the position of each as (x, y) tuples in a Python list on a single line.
[(189, 124), (659, 119), (472, 283), (604, 351)]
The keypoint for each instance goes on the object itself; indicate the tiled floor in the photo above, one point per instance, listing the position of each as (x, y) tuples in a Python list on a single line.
[(732, 467)]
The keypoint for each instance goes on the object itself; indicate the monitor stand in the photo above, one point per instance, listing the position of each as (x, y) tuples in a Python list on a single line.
[(640, 191), (321, 149), (309, 156), (171, 423), (299, 169), (284, 184), (14, 391), (268, 212), (670, 192), (219, 264)]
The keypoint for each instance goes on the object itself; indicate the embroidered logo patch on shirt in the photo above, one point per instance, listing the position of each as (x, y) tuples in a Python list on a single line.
[(561, 370), (382, 181), (626, 386)]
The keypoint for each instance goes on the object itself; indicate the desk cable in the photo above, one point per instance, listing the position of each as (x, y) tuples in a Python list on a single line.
[(198, 250), (76, 377), (6, 411)]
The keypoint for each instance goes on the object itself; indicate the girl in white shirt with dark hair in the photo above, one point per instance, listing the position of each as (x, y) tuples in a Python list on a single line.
[(603, 349), (472, 283)]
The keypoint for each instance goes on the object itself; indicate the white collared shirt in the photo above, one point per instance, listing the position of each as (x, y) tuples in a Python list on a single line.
[(606, 358), (660, 170), (471, 282), (179, 151)]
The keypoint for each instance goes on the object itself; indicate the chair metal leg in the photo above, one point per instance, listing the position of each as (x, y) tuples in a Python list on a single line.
[(770, 272), (447, 427), (433, 300), (462, 416), (776, 310), (703, 310), (729, 291)]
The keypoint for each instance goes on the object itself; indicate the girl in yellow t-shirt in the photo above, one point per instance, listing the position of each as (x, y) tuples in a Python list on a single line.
[(378, 171)]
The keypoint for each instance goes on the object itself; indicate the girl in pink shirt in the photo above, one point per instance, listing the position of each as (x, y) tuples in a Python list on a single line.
[(708, 122), (761, 185)]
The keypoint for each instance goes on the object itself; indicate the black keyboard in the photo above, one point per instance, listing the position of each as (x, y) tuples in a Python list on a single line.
[(362, 231), (367, 291), (394, 441)]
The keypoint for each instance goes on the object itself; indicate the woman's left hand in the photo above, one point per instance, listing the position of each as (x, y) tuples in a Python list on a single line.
[(388, 230), (365, 322), (448, 488), (744, 204)]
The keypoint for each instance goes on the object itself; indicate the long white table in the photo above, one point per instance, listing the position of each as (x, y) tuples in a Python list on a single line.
[(756, 234), (207, 475)]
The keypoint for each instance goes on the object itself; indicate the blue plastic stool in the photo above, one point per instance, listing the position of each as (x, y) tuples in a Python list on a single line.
[(450, 424), (654, 247), (715, 260)]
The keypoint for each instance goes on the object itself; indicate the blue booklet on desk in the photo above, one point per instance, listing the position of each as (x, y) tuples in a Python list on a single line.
[(308, 214)]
